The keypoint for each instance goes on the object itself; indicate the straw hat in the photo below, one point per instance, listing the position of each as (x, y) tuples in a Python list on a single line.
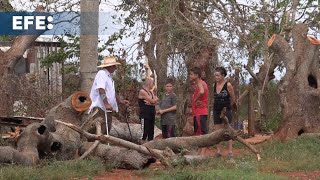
[(109, 61)]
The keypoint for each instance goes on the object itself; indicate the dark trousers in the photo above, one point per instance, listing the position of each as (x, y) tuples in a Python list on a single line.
[(101, 114), (168, 131), (218, 120), (148, 127), (200, 124)]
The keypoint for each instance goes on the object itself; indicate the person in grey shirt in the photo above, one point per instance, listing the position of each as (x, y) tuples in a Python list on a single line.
[(168, 110)]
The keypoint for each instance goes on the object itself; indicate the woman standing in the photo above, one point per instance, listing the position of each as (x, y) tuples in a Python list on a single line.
[(147, 101), (223, 97)]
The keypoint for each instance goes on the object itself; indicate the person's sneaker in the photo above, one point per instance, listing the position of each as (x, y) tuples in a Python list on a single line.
[(217, 155)]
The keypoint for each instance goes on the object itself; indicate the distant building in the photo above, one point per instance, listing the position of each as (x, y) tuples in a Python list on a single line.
[(29, 65)]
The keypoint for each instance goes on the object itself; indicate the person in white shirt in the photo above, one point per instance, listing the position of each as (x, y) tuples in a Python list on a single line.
[(103, 95)]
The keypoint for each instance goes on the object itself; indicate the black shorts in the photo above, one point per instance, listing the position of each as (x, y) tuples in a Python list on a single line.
[(200, 124), (218, 120)]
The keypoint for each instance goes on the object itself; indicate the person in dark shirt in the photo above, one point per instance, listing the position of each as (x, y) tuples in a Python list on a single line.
[(223, 97), (147, 101), (168, 110)]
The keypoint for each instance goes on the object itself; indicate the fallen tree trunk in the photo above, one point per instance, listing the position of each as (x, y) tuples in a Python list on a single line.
[(134, 134), (66, 141), (161, 149), (118, 157), (70, 110), (192, 142), (27, 153)]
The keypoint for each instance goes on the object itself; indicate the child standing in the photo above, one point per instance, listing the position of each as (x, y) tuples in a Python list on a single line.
[(199, 102), (168, 110)]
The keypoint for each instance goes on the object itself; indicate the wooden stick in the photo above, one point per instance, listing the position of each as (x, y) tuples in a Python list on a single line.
[(238, 138), (241, 140), (95, 144)]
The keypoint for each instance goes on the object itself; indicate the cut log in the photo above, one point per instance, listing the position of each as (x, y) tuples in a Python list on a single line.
[(68, 111), (80, 101), (27, 146)]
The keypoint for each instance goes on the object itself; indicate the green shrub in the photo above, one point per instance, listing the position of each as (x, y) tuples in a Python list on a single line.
[(271, 124)]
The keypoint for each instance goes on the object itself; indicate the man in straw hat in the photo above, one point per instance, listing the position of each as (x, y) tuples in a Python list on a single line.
[(103, 95)]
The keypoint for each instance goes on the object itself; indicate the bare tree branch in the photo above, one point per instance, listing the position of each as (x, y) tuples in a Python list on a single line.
[(253, 75), (96, 142), (283, 50)]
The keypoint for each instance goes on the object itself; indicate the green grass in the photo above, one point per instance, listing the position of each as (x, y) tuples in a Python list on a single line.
[(272, 123), (217, 174), (301, 154), (53, 170)]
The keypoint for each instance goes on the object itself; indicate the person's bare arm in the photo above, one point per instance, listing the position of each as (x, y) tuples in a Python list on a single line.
[(122, 101), (173, 108), (103, 96), (144, 95), (201, 91), (231, 92)]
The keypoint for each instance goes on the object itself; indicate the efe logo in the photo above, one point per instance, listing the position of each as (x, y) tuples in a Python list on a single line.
[(23, 22)]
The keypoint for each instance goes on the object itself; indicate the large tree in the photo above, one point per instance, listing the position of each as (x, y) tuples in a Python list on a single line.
[(249, 26), (89, 25), (299, 89)]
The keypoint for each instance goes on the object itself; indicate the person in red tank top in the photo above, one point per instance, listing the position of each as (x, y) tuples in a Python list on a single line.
[(199, 102)]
